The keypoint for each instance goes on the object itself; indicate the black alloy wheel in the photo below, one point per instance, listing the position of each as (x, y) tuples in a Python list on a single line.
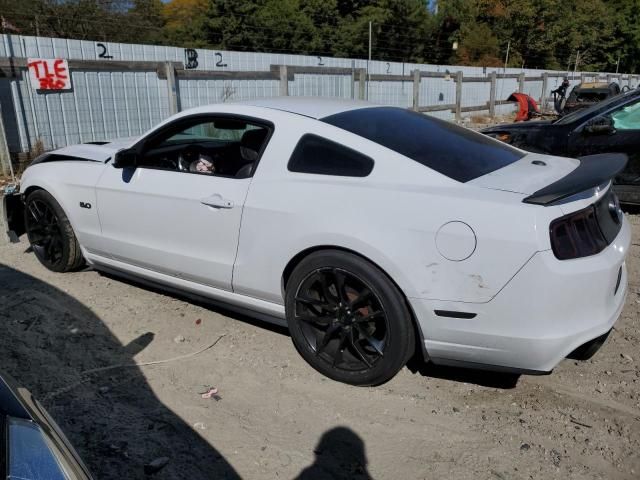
[(347, 319), (345, 322), (50, 233)]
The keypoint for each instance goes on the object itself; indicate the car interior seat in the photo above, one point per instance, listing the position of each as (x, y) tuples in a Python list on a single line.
[(250, 146)]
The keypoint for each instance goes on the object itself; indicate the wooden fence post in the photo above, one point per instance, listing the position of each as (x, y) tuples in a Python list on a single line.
[(458, 96), (5, 157), (545, 86), (492, 95), (521, 82), (353, 79), (416, 90), (362, 83), (284, 81), (4, 229), (7, 169), (172, 88)]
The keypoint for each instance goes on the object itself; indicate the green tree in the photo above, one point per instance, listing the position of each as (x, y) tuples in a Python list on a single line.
[(300, 26), (185, 22), (106, 20), (231, 24), (146, 18), (625, 35), (539, 33), (478, 46), (400, 31)]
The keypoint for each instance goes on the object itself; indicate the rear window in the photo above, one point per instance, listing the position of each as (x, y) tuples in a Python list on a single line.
[(454, 151), (320, 156)]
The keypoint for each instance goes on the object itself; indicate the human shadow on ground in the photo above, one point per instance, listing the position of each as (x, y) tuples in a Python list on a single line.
[(113, 418), (340, 454)]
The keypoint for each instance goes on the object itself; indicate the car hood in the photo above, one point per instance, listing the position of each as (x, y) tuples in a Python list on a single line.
[(529, 174), (97, 152)]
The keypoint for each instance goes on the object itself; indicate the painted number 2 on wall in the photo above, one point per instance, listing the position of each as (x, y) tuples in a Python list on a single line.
[(49, 74)]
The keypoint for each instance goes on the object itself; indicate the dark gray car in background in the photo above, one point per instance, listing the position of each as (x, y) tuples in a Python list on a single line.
[(32, 446)]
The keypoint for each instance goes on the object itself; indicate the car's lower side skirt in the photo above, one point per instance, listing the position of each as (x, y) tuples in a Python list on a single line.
[(250, 306)]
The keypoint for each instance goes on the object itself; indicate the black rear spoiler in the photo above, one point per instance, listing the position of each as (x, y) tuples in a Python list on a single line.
[(593, 170)]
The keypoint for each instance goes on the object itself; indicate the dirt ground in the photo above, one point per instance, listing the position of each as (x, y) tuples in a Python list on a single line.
[(278, 418)]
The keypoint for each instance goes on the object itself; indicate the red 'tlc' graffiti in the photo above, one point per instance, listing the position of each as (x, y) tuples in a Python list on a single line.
[(50, 77)]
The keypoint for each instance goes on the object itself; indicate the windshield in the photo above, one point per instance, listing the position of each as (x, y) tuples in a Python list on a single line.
[(454, 151), (586, 112)]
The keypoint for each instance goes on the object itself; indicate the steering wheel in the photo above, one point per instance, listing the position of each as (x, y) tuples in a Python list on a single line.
[(187, 156), (165, 162)]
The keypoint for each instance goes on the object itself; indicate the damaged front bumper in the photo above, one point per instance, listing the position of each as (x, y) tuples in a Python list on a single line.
[(12, 214)]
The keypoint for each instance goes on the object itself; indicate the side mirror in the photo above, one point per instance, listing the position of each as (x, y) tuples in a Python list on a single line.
[(125, 159), (600, 126)]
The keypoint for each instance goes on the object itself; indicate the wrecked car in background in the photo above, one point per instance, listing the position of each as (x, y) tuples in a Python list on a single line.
[(32, 446), (611, 126), (586, 94)]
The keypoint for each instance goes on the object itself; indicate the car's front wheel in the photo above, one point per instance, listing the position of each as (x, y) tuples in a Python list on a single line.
[(347, 318), (50, 233)]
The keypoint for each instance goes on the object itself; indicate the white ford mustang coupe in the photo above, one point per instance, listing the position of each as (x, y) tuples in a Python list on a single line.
[(373, 233)]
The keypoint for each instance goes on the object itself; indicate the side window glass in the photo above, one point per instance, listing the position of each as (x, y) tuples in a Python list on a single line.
[(627, 118), (213, 146), (209, 132), (320, 156)]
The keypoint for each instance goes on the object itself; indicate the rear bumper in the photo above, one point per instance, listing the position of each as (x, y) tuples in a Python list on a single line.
[(544, 313)]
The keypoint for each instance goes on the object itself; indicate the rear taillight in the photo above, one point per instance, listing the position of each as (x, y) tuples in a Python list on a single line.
[(577, 235)]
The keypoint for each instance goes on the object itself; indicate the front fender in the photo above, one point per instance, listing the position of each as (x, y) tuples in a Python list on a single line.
[(72, 184)]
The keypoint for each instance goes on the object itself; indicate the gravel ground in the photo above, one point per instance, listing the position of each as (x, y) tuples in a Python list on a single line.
[(278, 418)]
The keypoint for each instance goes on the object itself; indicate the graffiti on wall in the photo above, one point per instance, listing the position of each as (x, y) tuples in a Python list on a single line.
[(191, 58), (49, 74), (102, 51)]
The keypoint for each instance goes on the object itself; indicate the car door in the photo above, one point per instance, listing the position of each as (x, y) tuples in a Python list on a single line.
[(167, 214)]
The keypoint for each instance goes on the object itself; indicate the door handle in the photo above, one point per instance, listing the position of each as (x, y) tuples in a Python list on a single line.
[(217, 201)]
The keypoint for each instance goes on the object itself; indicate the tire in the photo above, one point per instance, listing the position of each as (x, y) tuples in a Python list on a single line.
[(347, 319), (50, 234)]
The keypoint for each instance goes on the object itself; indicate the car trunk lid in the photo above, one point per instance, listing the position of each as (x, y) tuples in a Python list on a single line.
[(546, 179), (528, 175)]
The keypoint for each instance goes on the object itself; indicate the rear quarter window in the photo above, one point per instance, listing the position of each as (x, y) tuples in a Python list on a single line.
[(445, 147), (317, 155)]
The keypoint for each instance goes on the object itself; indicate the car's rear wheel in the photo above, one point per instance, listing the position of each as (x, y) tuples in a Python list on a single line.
[(50, 233), (347, 318)]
